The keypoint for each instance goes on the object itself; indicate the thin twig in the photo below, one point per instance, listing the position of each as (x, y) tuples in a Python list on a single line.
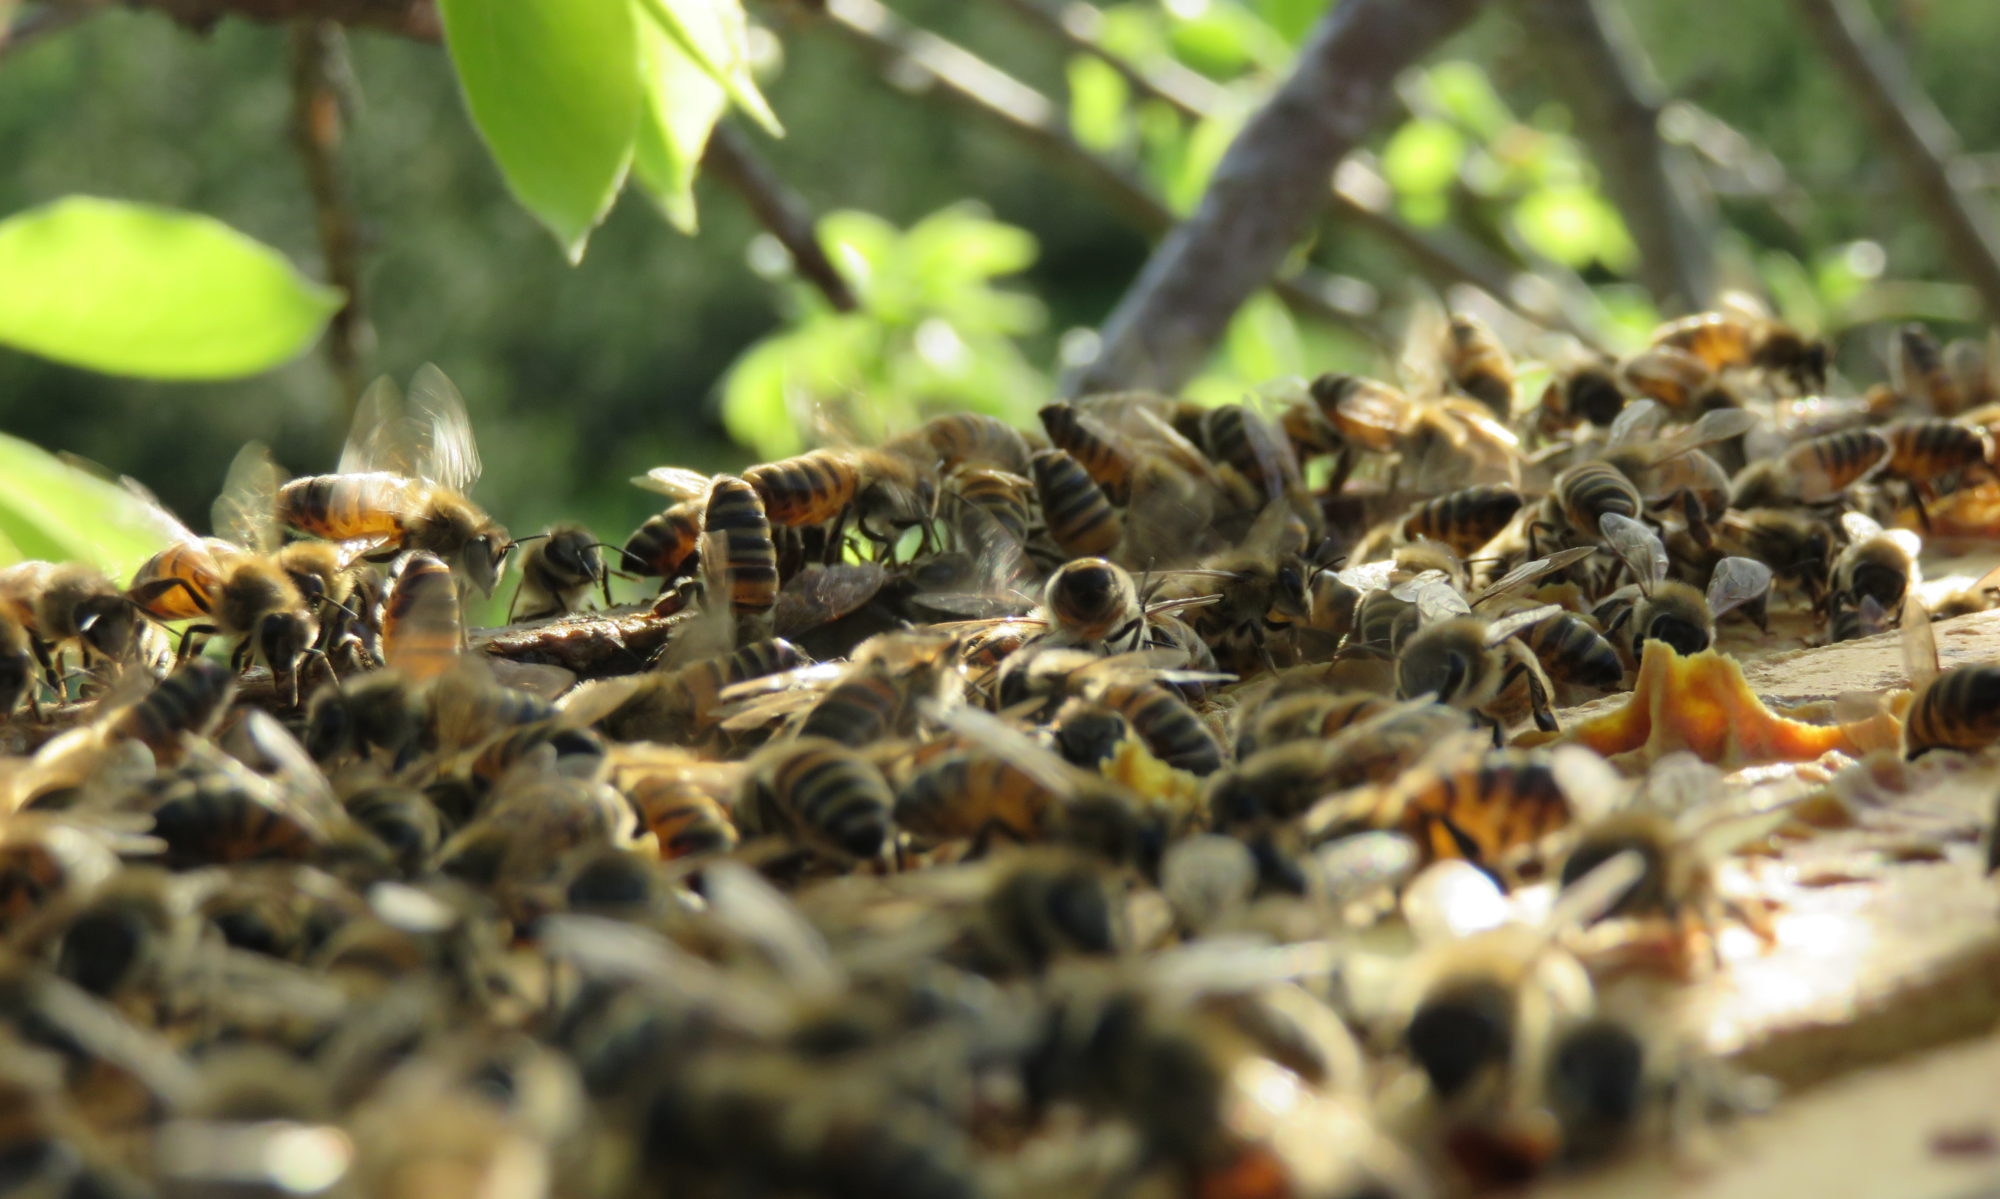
[(36, 25), (416, 19), (1266, 192), (316, 132), (1596, 64), (1914, 131), (1443, 258), (920, 61), (782, 211)]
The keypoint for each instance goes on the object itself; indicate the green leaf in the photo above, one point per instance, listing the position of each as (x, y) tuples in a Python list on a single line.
[(50, 509), (716, 34), (1423, 156), (1263, 340), (553, 87), (131, 289), (1099, 100), (1574, 226), (683, 103), (1463, 90), (1206, 145)]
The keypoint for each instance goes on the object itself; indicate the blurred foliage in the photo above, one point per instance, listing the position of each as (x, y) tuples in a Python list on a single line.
[(659, 349)]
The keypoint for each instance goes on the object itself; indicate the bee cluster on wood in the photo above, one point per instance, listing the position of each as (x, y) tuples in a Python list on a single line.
[(1173, 800)]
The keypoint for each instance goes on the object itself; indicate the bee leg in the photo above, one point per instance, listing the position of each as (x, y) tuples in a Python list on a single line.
[(1343, 466), (1917, 502), (1697, 520)]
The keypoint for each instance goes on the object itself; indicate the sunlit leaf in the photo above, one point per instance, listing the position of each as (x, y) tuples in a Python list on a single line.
[(553, 87), (52, 510), (1423, 156), (1290, 19), (716, 34), (961, 245), (131, 289), (1462, 90), (753, 401), (1224, 40), (1098, 101), (1574, 226), (1263, 340), (682, 105), (1205, 148)]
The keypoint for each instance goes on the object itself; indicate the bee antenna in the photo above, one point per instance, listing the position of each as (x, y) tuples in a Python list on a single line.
[(509, 547)]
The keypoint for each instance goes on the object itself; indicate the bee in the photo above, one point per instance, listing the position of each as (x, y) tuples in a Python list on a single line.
[(1260, 591), (1979, 597), (1257, 455), (737, 542), (1100, 698), (1572, 650), (403, 819), (60, 604), (186, 704), (1674, 378), (1093, 602), (1877, 564), (401, 483), (1078, 514), (325, 573), (558, 570), (1797, 548), (1303, 715), (1289, 780), (1366, 412), (128, 938), (1813, 471), (1587, 391), (1931, 456), (1091, 446), (676, 704), (1848, 620), (422, 632), (967, 440), (683, 802), (211, 809), (45, 858), (377, 714), (1464, 519), (665, 546), (1004, 498), (1640, 466), (1673, 612), (17, 668), (1958, 708), (823, 796), (1464, 661), (1479, 365), (883, 490), (1739, 339), (1918, 371)]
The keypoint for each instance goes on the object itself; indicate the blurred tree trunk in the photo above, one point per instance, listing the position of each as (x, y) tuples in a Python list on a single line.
[(1597, 66), (1914, 131), (1269, 187)]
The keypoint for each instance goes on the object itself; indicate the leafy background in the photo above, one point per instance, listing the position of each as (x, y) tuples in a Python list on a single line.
[(978, 262)]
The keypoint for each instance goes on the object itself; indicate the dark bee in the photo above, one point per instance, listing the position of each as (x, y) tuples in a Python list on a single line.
[(558, 570), (58, 605), (1464, 519), (1732, 340), (1670, 611), (1813, 471), (1479, 365), (1094, 448), (1878, 563), (403, 819), (1076, 511), (187, 702), (1572, 650), (17, 666), (1588, 392), (665, 545), (733, 520), (822, 795)]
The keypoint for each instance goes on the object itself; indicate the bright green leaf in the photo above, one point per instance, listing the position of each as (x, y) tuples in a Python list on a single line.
[(1574, 226), (1205, 147), (1263, 340), (1223, 39), (553, 87), (1099, 100), (1462, 90), (683, 103), (50, 509), (716, 34), (1423, 156), (131, 289)]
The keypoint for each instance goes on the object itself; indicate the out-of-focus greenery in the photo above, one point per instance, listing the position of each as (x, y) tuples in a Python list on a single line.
[(581, 376)]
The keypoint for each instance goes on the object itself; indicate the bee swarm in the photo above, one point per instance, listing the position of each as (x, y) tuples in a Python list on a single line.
[(1376, 787)]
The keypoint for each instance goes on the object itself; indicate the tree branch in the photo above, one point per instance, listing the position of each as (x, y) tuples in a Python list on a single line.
[(920, 61), (1914, 130), (49, 19), (1265, 193), (1444, 259), (316, 132), (416, 19), (782, 211), (1597, 66)]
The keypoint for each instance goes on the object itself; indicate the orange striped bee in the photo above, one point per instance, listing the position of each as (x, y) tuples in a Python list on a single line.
[(422, 632)]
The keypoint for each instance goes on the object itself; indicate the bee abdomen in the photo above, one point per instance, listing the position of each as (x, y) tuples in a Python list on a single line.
[(1077, 511), (1960, 709)]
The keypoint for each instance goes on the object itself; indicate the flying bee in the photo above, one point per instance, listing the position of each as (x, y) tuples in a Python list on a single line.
[(1077, 513), (1093, 447), (1813, 471), (60, 604), (1745, 340), (558, 570), (664, 546), (1465, 519), (1479, 365), (1958, 708), (1669, 611), (401, 483), (1878, 563), (823, 796)]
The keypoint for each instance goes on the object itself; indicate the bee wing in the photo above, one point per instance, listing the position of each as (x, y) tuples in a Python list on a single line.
[(1595, 893), (381, 437), (741, 901), (1637, 546), (1859, 526), (1920, 651), (157, 520), (820, 594), (596, 699), (1719, 424), (1372, 576), (1453, 899), (674, 481), (1636, 421), (1593, 789), (1528, 572), (1681, 782), (1512, 623), (1420, 363), (1353, 868), (247, 510), (1736, 582), (448, 456), (269, 748), (995, 736), (543, 679), (615, 949), (1725, 835)]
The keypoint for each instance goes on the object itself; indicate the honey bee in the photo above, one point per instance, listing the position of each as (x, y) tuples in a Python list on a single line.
[(1077, 513), (676, 704), (1980, 596), (1877, 564), (1259, 589), (326, 573), (377, 714), (1260, 461), (1479, 365), (422, 632), (682, 801), (664, 546), (1572, 650), (1584, 391), (1465, 519), (1004, 498), (186, 704), (1918, 371), (1813, 471), (1465, 661), (1303, 715), (1092, 447), (1932, 456), (558, 570), (1746, 340), (1673, 378), (44, 858), (17, 668), (1797, 548), (211, 809), (401, 483), (823, 796), (1669, 611), (1851, 620), (1289, 780), (885, 491), (737, 544), (61, 604), (403, 819), (1956, 708)]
